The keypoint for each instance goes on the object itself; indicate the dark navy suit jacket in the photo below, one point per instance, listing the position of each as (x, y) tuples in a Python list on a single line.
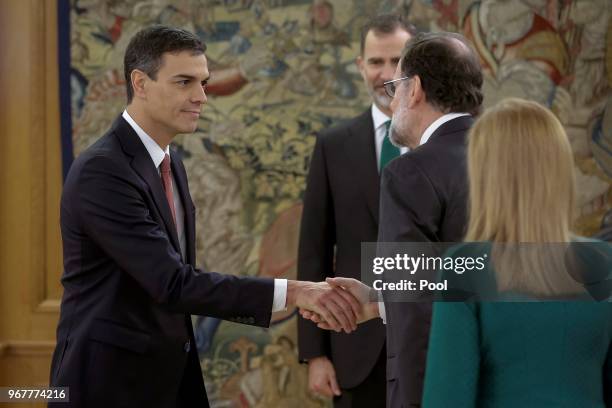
[(124, 337), (341, 212), (423, 199)]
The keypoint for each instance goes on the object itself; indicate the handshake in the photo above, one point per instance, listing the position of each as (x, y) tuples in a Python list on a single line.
[(338, 304)]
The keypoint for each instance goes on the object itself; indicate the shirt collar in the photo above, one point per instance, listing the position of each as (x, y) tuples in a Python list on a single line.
[(437, 123), (378, 117), (157, 153)]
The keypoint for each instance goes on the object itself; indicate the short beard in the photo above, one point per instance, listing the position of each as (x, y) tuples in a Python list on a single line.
[(383, 101), (395, 138)]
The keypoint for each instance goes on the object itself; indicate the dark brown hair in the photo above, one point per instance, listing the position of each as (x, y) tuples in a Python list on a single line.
[(385, 24), (147, 47), (449, 70)]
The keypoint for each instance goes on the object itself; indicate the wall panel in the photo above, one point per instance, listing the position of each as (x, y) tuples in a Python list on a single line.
[(30, 182)]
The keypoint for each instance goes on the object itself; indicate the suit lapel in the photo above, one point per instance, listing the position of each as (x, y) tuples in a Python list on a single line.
[(180, 176), (362, 138), (143, 165)]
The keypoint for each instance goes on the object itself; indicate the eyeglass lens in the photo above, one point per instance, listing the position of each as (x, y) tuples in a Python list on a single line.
[(390, 88)]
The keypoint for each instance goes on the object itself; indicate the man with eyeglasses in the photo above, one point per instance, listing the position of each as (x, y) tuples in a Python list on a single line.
[(436, 91), (340, 213)]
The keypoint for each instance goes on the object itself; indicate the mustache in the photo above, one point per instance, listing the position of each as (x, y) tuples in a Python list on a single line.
[(378, 83)]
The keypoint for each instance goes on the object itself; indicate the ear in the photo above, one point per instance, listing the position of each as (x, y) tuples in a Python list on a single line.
[(139, 80), (416, 93)]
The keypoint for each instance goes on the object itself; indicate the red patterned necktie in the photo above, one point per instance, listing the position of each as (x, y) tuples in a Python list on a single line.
[(167, 183)]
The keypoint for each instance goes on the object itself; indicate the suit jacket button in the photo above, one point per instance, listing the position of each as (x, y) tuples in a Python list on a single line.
[(187, 346)]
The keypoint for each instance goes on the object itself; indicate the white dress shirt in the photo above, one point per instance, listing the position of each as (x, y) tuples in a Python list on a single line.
[(426, 135), (157, 155), (379, 118), (437, 123)]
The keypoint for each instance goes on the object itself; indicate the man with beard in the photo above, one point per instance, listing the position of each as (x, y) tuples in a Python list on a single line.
[(436, 91), (340, 214)]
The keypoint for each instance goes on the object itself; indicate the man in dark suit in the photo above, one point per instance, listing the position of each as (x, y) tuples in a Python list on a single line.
[(124, 337), (436, 91), (339, 214)]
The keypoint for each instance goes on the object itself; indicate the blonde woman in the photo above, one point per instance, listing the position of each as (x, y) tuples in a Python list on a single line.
[(521, 354)]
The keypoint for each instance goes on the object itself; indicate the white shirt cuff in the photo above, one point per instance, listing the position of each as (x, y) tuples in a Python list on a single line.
[(381, 309), (280, 295)]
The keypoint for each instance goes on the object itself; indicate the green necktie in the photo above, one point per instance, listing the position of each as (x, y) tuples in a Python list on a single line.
[(388, 152)]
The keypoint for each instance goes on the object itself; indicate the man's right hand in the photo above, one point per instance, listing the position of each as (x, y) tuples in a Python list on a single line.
[(362, 293), (337, 307), (322, 377)]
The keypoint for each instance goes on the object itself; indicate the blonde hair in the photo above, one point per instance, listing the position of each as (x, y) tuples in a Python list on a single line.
[(522, 190)]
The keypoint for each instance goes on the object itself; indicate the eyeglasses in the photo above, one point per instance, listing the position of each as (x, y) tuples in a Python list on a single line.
[(390, 86)]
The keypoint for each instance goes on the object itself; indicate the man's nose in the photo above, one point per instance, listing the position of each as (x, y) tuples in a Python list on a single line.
[(199, 96), (388, 71)]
